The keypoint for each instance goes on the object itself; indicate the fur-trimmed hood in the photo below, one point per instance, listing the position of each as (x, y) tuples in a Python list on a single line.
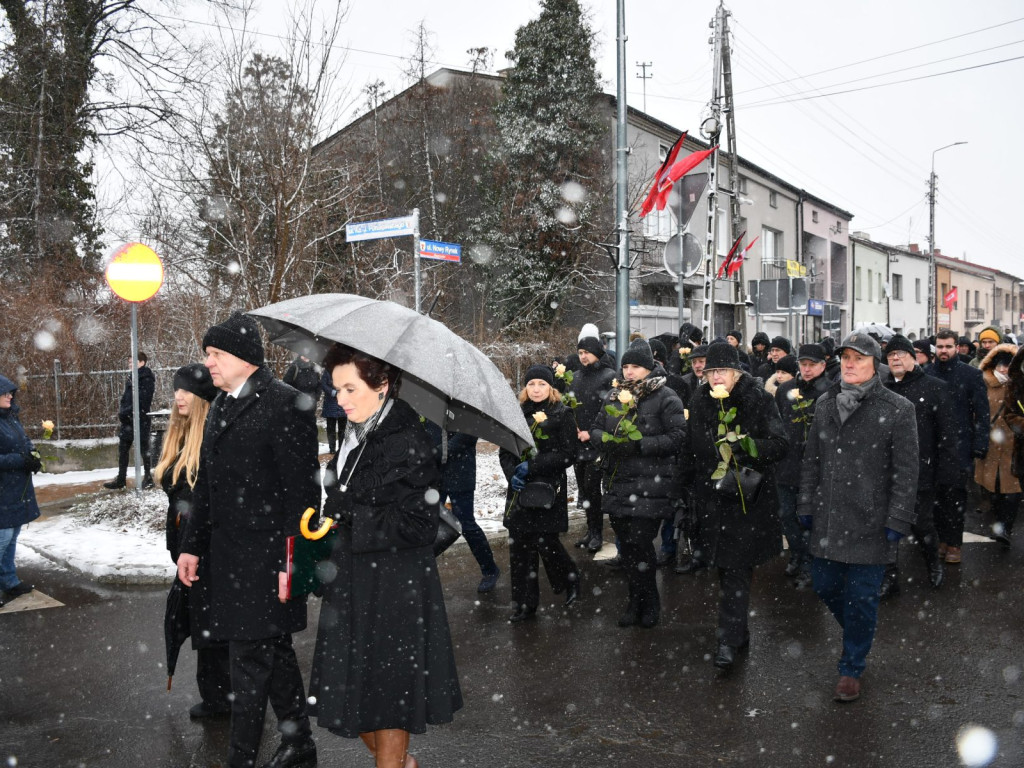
[(988, 366)]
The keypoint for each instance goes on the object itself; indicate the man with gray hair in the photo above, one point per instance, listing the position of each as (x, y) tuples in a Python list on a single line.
[(858, 485)]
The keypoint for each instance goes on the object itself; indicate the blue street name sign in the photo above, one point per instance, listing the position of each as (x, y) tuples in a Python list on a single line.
[(374, 230), (815, 307), (432, 249)]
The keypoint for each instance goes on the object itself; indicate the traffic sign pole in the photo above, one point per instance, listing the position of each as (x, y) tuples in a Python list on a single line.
[(416, 255), (136, 430)]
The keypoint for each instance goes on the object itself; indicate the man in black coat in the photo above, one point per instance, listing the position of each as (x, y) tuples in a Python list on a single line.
[(258, 474), (126, 432), (971, 412), (936, 441), (779, 348), (795, 400)]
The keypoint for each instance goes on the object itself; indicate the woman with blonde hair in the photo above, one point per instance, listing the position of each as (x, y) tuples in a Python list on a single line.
[(176, 472)]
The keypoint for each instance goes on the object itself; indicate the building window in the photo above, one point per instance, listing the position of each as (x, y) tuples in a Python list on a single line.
[(881, 295), (1007, 302), (871, 285), (742, 185), (897, 287), (977, 299), (773, 198), (814, 216), (858, 287), (660, 225), (917, 290), (771, 246)]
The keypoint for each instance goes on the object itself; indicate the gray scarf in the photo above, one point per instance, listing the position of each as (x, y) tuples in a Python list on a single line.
[(850, 396)]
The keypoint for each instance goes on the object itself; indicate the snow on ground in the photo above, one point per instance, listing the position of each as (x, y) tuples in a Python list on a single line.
[(119, 537)]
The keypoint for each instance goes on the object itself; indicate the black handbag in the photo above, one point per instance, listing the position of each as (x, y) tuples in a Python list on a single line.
[(448, 530), (750, 480), (537, 495)]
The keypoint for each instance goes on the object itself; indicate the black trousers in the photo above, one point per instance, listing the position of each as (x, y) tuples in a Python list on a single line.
[(126, 438), (636, 548), (525, 550), (588, 481), (950, 506), (263, 670), (213, 675), (734, 605)]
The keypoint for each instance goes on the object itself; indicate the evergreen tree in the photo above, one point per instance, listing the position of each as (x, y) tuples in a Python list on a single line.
[(546, 186)]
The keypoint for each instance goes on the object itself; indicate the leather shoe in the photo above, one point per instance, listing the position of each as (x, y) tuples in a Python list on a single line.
[(936, 573), (631, 616), (116, 484), (206, 711), (488, 581), (294, 756), (523, 613), (615, 563), (147, 482), (890, 584), (691, 568), (572, 592), (581, 543), (847, 690), (595, 544), (725, 657), (953, 555), (18, 590)]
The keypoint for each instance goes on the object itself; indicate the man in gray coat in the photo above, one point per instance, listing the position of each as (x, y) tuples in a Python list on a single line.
[(858, 486)]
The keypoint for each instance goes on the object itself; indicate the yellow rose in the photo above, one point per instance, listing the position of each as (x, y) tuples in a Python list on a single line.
[(686, 413), (560, 370), (47, 424), (719, 392), (615, 383), (794, 394), (625, 397), (540, 417), (684, 351)]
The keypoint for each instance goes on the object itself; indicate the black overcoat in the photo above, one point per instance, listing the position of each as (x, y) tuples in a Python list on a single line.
[(728, 537), (383, 655), (554, 455), (147, 386), (643, 481), (1014, 413), (258, 474), (590, 386), (970, 410), (936, 427), (787, 471), (860, 478)]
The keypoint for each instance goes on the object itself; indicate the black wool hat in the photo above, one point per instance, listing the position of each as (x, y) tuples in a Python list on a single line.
[(899, 343), (701, 350), (592, 345), (829, 345), (540, 371), (736, 334), (923, 345), (761, 338), (788, 365), (195, 378), (813, 352), (722, 356), (690, 332), (658, 351), (639, 353), (781, 342), (239, 335)]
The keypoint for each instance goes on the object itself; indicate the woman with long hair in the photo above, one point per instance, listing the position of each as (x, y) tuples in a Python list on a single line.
[(537, 508), (177, 472), (383, 666)]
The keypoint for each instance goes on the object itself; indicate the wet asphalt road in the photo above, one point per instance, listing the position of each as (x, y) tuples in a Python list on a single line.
[(84, 685)]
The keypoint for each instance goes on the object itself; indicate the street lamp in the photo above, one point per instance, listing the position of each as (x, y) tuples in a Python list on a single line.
[(931, 238)]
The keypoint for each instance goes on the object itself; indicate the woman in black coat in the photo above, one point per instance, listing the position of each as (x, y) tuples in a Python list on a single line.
[(383, 666), (176, 472), (590, 387), (732, 538), (18, 506), (533, 530), (640, 474)]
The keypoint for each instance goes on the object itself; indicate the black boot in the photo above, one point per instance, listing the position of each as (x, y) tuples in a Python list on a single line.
[(632, 614), (650, 610), (890, 583), (725, 657), (691, 567), (120, 481), (523, 613)]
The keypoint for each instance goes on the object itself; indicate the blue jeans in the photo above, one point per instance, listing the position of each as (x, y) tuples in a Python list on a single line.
[(462, 506), (851, 592), (796, 535), (668, 537), (8, 539)]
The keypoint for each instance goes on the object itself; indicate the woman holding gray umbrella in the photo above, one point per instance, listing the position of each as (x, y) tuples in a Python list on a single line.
[(383, 667)]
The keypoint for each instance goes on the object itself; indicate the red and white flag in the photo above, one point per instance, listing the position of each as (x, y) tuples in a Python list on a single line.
[(660, 175), (950, 298), (668, 175)]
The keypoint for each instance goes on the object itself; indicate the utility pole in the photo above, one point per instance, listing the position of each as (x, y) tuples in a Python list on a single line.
[(932, 308), (734, 158), (645, 77), (621, 191), (711, 129)]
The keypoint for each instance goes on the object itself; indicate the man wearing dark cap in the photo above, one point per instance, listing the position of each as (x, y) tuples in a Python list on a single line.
[(858, 483), (796, 400), (778, 349), (923, 352), (965, 349), (590, 386), (759, 350), (936, 440), (258, 475), (735, 338)]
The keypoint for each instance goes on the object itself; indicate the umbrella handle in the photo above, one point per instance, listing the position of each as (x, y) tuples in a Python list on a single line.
[(304, 526)]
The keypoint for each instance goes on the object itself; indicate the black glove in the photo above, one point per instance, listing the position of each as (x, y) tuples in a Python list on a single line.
[(32, 463), (979, 454)]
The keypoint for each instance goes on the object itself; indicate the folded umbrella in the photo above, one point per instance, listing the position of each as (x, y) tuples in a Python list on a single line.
[(445, 378), (176, 625)]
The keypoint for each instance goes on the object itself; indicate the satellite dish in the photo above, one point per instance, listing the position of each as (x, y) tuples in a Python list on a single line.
[(683, 255)]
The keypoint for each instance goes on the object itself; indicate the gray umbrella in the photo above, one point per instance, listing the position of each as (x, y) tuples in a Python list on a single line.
[(446, 379), (881, 330)]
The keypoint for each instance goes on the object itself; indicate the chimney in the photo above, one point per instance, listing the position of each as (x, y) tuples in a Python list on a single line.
[(913, 248), (938, 251)]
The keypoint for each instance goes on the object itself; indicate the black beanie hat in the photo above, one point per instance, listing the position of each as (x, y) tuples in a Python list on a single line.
[(639, 353), (787, 364), (539, 371), (900, 343), (781, 342), (722, 356), (923, 345), (812, 352), (736, 334), (829, 345), (239, 335), (658, 351), (761, 338), (195, 378), (592, 345)]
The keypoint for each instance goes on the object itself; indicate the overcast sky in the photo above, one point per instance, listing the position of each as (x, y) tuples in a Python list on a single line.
[(868, 151)]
